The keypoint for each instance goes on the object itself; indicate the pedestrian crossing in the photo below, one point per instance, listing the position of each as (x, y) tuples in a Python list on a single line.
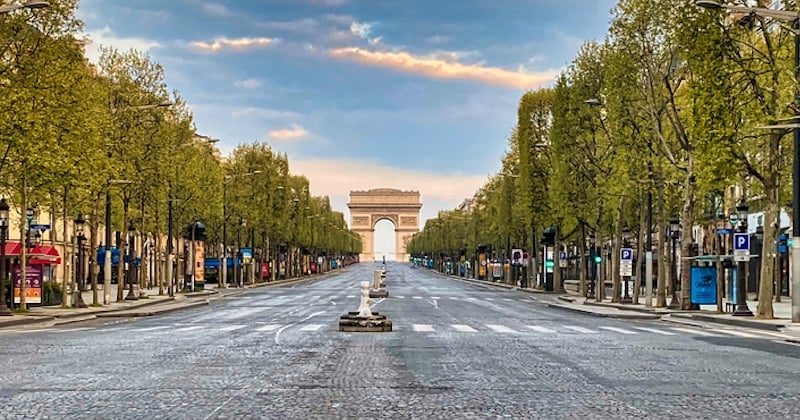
[(548, 330)]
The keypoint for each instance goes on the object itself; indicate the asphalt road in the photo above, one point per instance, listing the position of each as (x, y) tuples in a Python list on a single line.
[(457, 351)]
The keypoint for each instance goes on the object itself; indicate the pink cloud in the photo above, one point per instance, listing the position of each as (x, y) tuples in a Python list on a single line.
[(288, 134), (232, 44), (439, 68)]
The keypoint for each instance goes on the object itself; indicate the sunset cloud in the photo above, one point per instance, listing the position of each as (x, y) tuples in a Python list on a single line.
[(439, 68), (231, 44), (288, 134)]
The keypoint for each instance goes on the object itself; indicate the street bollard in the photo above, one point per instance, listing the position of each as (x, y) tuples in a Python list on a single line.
[(365, 320)]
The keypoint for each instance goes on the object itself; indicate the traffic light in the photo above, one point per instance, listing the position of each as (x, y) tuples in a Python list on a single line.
[(549, 236), (598, 259)]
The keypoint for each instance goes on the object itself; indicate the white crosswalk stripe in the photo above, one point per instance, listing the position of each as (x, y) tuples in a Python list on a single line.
[(311, 327), (400, 297), (500, 328), (417, 297), (579, 329), (489, 299), (192, 328), (619, 330), (160, 327), (268, 327), (422, 327), (694, 331), (464, 328), (736, 333), (541, 329), (655, 331), (232, 328)]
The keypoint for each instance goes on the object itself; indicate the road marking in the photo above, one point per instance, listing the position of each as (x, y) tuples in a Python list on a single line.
[(434, 297), (488, 298), (423, 327), (268, 327), (232, 328), (314, 297), (282, 329), (472, 298), (193, 327), (351, 296), (693, 331), (541, 329), (453, 297), (653, 330), (160, 327), (507, 299), (619, 330), (579, 329), (74, 329), (500, 328), (417, 297), (311, 327), (400, 297), (464, 328), (736, 333)]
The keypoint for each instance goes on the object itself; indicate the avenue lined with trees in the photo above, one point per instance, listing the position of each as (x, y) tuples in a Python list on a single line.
[(673, 121), (76, 134)]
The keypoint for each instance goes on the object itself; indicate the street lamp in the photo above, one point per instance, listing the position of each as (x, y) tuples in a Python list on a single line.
[(79, 224), (792, 17), (675, 231), (4, 208), (741, 266), (131, 262), (594, 292)]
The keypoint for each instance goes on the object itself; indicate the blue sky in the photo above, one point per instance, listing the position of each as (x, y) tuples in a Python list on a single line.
[(410, 94)]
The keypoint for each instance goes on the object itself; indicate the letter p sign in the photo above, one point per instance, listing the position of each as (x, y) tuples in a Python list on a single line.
[(741, 242)]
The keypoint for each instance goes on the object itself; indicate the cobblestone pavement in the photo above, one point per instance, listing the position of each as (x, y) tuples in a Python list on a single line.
[(459, 351)]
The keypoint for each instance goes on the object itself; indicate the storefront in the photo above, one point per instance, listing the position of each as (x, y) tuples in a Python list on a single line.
[(42, 260)]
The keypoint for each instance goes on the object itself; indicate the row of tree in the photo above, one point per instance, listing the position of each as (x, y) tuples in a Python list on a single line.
[(72, 130), (667, 107)]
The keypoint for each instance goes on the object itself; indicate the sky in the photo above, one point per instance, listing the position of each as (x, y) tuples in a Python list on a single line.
[(410, 94)]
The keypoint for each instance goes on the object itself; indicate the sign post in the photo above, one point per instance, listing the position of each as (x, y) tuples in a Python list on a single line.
[(626, 271)]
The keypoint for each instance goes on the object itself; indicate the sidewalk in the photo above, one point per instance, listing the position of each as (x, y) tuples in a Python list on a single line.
[(707, 313), (149, 305)]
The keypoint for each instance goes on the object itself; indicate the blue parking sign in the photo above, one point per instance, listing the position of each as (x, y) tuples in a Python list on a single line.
[(741, 242), (626, 254)]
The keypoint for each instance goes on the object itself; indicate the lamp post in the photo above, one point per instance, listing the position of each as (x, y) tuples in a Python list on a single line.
[(793, 17), (741, 266), (4, 208), (675, 231), (131, 262), (80, 222), (593, 292)]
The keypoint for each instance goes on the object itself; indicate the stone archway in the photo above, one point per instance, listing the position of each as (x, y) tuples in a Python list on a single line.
[(367, 208)]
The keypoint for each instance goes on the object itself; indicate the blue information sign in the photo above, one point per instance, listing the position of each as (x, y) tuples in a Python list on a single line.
[(704, 285), (626, 254)]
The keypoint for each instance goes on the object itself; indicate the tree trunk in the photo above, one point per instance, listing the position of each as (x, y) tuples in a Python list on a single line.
[(765, 291), (640, 241), (687, 222), (661, 294), (94, 223), (616, 246), (23, 250), (123, 239), (67, 257)]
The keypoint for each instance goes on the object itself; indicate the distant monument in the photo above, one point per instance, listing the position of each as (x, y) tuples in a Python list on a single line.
[(367, 208)]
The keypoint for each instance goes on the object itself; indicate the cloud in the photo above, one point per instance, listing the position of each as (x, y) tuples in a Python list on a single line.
[(216, 9), (105, 37), (248, 84), (363, 30), (262, 113), (288, 134), (340, 176), (447, 68), (231, 44)]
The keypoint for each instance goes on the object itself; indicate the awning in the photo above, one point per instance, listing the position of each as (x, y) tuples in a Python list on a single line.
[(39, 255)]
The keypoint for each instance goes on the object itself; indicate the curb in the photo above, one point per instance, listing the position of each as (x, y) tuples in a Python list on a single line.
[(620, 315), (154, 312), (70, 317), (668, 318), (631, 307), (26, 320), (732, 321)]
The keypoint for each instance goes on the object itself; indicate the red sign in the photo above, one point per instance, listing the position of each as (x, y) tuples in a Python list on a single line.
[(264, 270), (33, 284)]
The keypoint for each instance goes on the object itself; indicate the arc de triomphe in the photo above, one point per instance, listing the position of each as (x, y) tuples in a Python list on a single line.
[(367, 208)]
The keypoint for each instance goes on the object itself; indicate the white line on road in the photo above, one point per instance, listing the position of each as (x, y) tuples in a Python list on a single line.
[(500, 328), (541, 329), (311, 327), (620, 330), (417, 297), (489, 299), (452, 297), (736, 333), (423, 327), (400, 297), (278, 334), (193, 327), (464, 328), (507, 299), (160, 327), (268, 327), (232, 328), (351, 296), (434, 297), (579, 329), (695, 332), (653, 330)]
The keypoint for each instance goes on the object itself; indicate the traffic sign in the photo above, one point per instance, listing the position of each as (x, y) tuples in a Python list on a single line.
[(626, 254), (40, 226), (562, 255), (626, 268), (741, 246)]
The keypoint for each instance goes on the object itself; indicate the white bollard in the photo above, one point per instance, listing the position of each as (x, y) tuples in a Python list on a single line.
[(364, 310)]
